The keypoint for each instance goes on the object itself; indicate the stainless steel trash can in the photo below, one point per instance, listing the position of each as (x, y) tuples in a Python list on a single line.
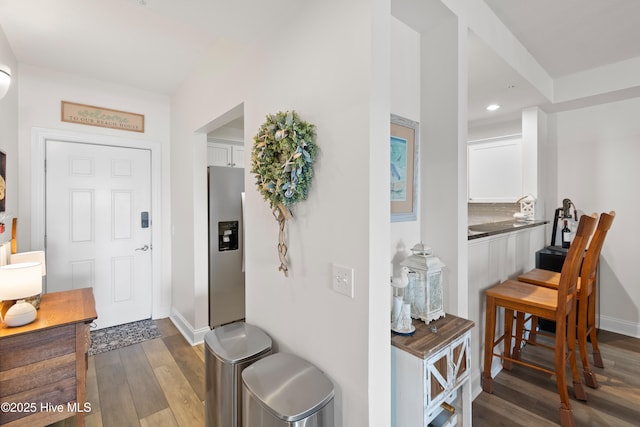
[(283, 390), (228, 350)]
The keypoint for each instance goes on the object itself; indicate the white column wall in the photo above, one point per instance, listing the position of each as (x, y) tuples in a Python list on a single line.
[(444, 154)]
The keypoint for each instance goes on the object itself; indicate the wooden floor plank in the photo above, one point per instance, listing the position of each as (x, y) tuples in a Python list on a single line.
[(199, 349), (186, 406), (157, 353), (94, 419), (493, 405), (190, 364), (116, 401), (163, 418), (147, 395), (613, 340), (166, 327)]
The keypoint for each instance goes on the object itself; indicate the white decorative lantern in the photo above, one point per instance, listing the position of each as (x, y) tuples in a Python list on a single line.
[(527, 208), (424, 291)]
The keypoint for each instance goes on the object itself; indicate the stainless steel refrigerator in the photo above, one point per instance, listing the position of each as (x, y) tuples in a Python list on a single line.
[(226, 245)]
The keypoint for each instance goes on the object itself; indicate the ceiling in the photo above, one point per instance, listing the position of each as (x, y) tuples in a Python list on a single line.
[(155, 44), (568, 36), (493, 81), (565, 37), (149, 44)]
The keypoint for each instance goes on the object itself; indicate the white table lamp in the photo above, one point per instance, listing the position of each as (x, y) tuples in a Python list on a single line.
[(31, 256), (19, 281)]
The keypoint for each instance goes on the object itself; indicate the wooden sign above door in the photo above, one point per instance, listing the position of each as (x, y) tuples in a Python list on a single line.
[(102, 117)]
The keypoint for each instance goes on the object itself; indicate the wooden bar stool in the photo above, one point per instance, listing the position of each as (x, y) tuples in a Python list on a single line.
[(586, 294), (558, 305)]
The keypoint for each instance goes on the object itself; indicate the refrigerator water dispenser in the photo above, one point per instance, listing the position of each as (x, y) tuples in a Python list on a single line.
[(227, 236)]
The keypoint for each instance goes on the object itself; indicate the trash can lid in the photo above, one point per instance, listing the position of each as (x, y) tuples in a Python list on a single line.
[(289, 387), (235, 342)]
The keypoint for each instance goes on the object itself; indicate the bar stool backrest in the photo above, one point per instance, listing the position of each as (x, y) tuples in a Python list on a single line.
[(572, 264)]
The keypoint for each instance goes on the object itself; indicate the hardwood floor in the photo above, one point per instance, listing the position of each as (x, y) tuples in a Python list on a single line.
[(156, 383), (525, 397), (160, 383)]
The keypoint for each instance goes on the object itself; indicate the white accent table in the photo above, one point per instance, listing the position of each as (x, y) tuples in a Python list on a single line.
[(430, 374)]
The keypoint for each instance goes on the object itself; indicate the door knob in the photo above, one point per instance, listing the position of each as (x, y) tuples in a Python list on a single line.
[(144, 248)]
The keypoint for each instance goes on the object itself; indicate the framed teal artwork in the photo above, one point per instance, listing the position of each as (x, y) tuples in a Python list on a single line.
[(404, 169)]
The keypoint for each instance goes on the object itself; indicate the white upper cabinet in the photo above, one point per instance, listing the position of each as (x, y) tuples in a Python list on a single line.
[(495, 170), (222, 154)]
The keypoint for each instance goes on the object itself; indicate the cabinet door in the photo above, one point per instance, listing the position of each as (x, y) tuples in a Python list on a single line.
[(218, 154), (460, 359), (495, 171), (228, 155), (438, 374), (237, 156)]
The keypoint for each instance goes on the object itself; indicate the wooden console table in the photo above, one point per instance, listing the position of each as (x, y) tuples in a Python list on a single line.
[(430, 374), (43, 365)]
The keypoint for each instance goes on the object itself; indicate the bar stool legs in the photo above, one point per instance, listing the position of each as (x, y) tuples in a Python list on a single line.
[(489, 339), (561, 355)]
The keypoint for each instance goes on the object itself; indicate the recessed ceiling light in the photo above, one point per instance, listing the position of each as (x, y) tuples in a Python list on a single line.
[(492, 107)]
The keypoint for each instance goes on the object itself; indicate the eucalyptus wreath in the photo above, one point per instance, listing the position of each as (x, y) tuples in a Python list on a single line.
[(284, 150)]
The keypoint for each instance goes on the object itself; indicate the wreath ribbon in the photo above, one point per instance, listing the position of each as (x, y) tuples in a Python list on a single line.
[(282, 160), (281, 213)]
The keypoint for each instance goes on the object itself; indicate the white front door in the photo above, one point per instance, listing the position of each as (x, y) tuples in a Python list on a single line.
[(98, 226)]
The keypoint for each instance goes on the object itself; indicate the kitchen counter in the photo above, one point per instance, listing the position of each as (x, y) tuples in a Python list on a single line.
[(477, 231)]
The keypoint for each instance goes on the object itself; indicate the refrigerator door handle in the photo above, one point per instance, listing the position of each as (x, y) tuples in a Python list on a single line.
[(242, 230)]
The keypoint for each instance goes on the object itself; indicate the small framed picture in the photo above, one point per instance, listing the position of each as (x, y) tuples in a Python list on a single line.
[(404, 143)]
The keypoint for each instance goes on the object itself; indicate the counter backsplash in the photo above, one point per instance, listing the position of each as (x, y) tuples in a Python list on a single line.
[(481, 213)]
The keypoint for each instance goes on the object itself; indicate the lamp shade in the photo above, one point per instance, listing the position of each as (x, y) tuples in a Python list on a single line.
[(5, 253), (33, 256), (5, 80), (22, 280)]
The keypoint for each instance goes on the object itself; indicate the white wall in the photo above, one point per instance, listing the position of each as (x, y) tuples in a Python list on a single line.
[(597, 151), (9, 136), (493, 130), (41, 93), (333, 71), (405, 102)]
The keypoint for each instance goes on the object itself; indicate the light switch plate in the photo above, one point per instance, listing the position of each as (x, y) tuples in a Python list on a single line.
[(342, 279)]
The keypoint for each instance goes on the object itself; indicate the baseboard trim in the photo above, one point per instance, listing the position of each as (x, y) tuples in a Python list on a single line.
[(476, 378), (620, 326), (193, 336), (476, 385)]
